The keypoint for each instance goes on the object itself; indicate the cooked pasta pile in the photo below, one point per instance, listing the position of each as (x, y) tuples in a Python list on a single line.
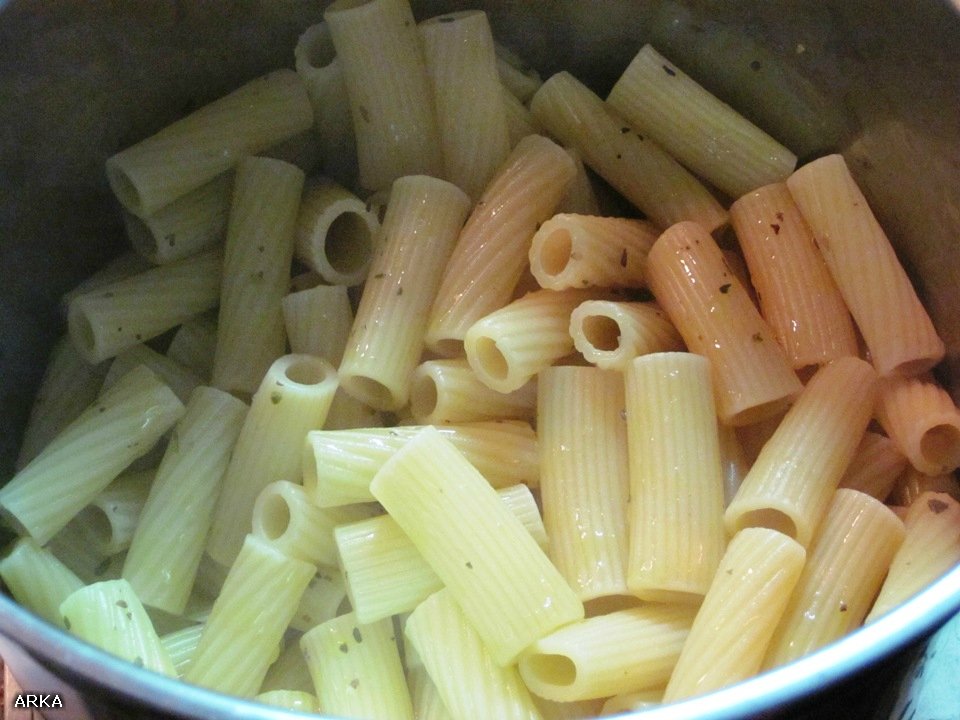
[(387, 415)]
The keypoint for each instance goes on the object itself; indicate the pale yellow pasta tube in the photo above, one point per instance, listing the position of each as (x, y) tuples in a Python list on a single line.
[(427, 703), (423, 219), (793, 479), (388, 575), (316, 63), (875, 467), (578, 251), (623, 651), (292, 400), (285, 517), (339, 465), (632, 702), (844, 570), (318, 321), (492, 248), (579, 197), (449, 391), (114, 317), (611, 333), (509, 346), (504, 583), (194, 345), (461, 64), (520, 121), (894, 324), (931, 547), (37, 579), (194, 150), (336, 233), (752, 378), (241, 638), (516, 75), (633, 164), (798, 297), (584, 477), (109, 521), (733, 461), (356, 669), (256, 272), (181, 380), (180, 646), (125, 265), (109, 615), (706, 135), (394, 121), (322, 599), (165, 552), (466, 675), (188, 225), (68, 386), (123, 424), (738, 616), (922, 419), (289, 671), (676, 487)]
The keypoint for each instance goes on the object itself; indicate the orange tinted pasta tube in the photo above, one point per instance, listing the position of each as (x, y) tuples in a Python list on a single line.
[(896, 327), (709, 306), (492, 248), (798, 297), (923, 421)]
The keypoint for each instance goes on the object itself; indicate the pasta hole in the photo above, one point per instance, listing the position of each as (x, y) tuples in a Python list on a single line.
[(124, 189), (275, 517), (491, 359), (423, 396), (940, 445), (602, 332), (372, 392), (306, 372), (552, 669), (141, 237), (449, 347), (555, 252), (320, 50), (768, 518), (82, 332), (348, 244), (97, 525)]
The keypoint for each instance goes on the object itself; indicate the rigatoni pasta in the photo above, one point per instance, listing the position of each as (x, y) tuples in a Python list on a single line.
[(611, 333), (752, 378), (895, 326)]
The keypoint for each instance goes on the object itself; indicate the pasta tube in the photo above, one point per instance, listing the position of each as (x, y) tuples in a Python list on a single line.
[(386, 341), (894, 324), (356, 669), (196, 149), (256, 271), (112, 318), (293, 399), (633, 164), (624, 651), (393, 114), (585, 477), (123, 424), (676, 487), (37, 579), (793, 479), (739, 614), (577, 251), (492, 248), (168, 542), (468, 679), (507, 588), (798, 297), (109, 615), (610, 334), (688, 275), (844, 570), (703, 133)]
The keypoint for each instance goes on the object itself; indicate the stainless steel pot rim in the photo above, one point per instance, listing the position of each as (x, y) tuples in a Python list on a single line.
[(915, 619)]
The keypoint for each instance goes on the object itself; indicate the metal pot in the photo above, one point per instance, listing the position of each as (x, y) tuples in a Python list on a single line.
[(80, 80)]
